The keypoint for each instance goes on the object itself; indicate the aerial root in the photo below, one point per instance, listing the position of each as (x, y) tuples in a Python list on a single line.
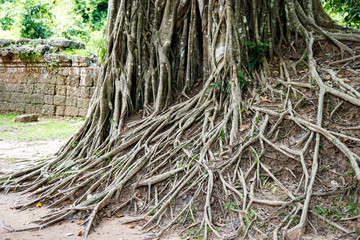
[(183, 156)]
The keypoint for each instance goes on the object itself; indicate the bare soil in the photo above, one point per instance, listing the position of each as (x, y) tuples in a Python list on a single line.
[(15, 155)]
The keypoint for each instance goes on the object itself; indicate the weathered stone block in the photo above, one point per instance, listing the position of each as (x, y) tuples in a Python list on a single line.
[(73, 81), (71, 111), (64, 71), (19, 98), (64, 43), (85, 92), (74, 71), (60, 90), (83, 103), (59, 80), (27, 98), (27, 118), (37, 99), (73, 91), (82, 61), (71, 101), (48, 110), (29, 88), (39, 88), (33, 79), (59, 100), (5, 96), (87, 79), (42, 49), (82, 112), (20, 107), (59, 110), (49, 89), (49, 99)]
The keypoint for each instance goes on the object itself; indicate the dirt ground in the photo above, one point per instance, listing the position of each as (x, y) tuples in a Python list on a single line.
[(19, 154)]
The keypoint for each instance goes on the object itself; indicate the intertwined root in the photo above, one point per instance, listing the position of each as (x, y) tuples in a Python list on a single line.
[(180, 166), (232, 152)]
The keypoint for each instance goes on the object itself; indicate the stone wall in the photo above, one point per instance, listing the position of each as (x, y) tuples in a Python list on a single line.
[(48, 84)]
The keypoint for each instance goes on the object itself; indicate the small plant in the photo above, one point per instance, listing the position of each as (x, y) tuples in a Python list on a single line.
[(31, 57), (214, 85), (243, 82), (257, 53)]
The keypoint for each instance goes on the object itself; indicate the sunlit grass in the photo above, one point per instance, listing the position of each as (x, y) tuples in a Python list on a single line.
[(45, 128)]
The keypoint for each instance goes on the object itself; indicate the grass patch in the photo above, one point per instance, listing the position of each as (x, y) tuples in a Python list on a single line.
[(45, 128)]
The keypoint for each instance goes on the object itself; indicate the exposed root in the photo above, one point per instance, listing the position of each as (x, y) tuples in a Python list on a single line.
[(224, 151)]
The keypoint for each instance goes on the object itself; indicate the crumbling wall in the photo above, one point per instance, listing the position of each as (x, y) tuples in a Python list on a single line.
[(34, 79)]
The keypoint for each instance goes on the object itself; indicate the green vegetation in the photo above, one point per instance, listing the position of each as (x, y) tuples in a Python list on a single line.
[(346, 11), (36, 19), (257, 53), (46, 128), (79, 20)]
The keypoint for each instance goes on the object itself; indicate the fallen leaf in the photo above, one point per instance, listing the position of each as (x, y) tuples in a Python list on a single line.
[(340, 75), (310, 164), (264, 99), (80, 222), (244, 127), (147, 218), (226, 157), (346, 140), (138, 194), (346, 80), (220, 220), (80, 234), (39, 205), (119, 215), (132, 227)]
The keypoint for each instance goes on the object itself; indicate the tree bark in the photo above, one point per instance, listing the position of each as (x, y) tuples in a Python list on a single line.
[(177, 108)]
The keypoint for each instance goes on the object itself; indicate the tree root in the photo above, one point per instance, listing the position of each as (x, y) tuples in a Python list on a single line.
[(218, 153)]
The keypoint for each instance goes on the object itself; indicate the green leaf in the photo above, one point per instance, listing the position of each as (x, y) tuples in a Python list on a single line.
[(252, 65)]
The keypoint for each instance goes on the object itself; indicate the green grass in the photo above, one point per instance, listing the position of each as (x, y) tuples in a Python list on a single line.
[(45, 128)]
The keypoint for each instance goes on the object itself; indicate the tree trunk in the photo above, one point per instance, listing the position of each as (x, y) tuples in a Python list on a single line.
[(186, 108)]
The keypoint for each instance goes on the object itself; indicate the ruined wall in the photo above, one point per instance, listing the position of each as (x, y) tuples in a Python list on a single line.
[(48, 84)]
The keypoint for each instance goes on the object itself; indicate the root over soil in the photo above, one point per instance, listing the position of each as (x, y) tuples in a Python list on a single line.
[(221, 139)]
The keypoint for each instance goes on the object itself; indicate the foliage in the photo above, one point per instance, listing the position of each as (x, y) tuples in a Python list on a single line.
[(79, 20), (257, 53), (93, 12), (243, 81), (36, 19), (348, 9), (6, 15), (31, 56)]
